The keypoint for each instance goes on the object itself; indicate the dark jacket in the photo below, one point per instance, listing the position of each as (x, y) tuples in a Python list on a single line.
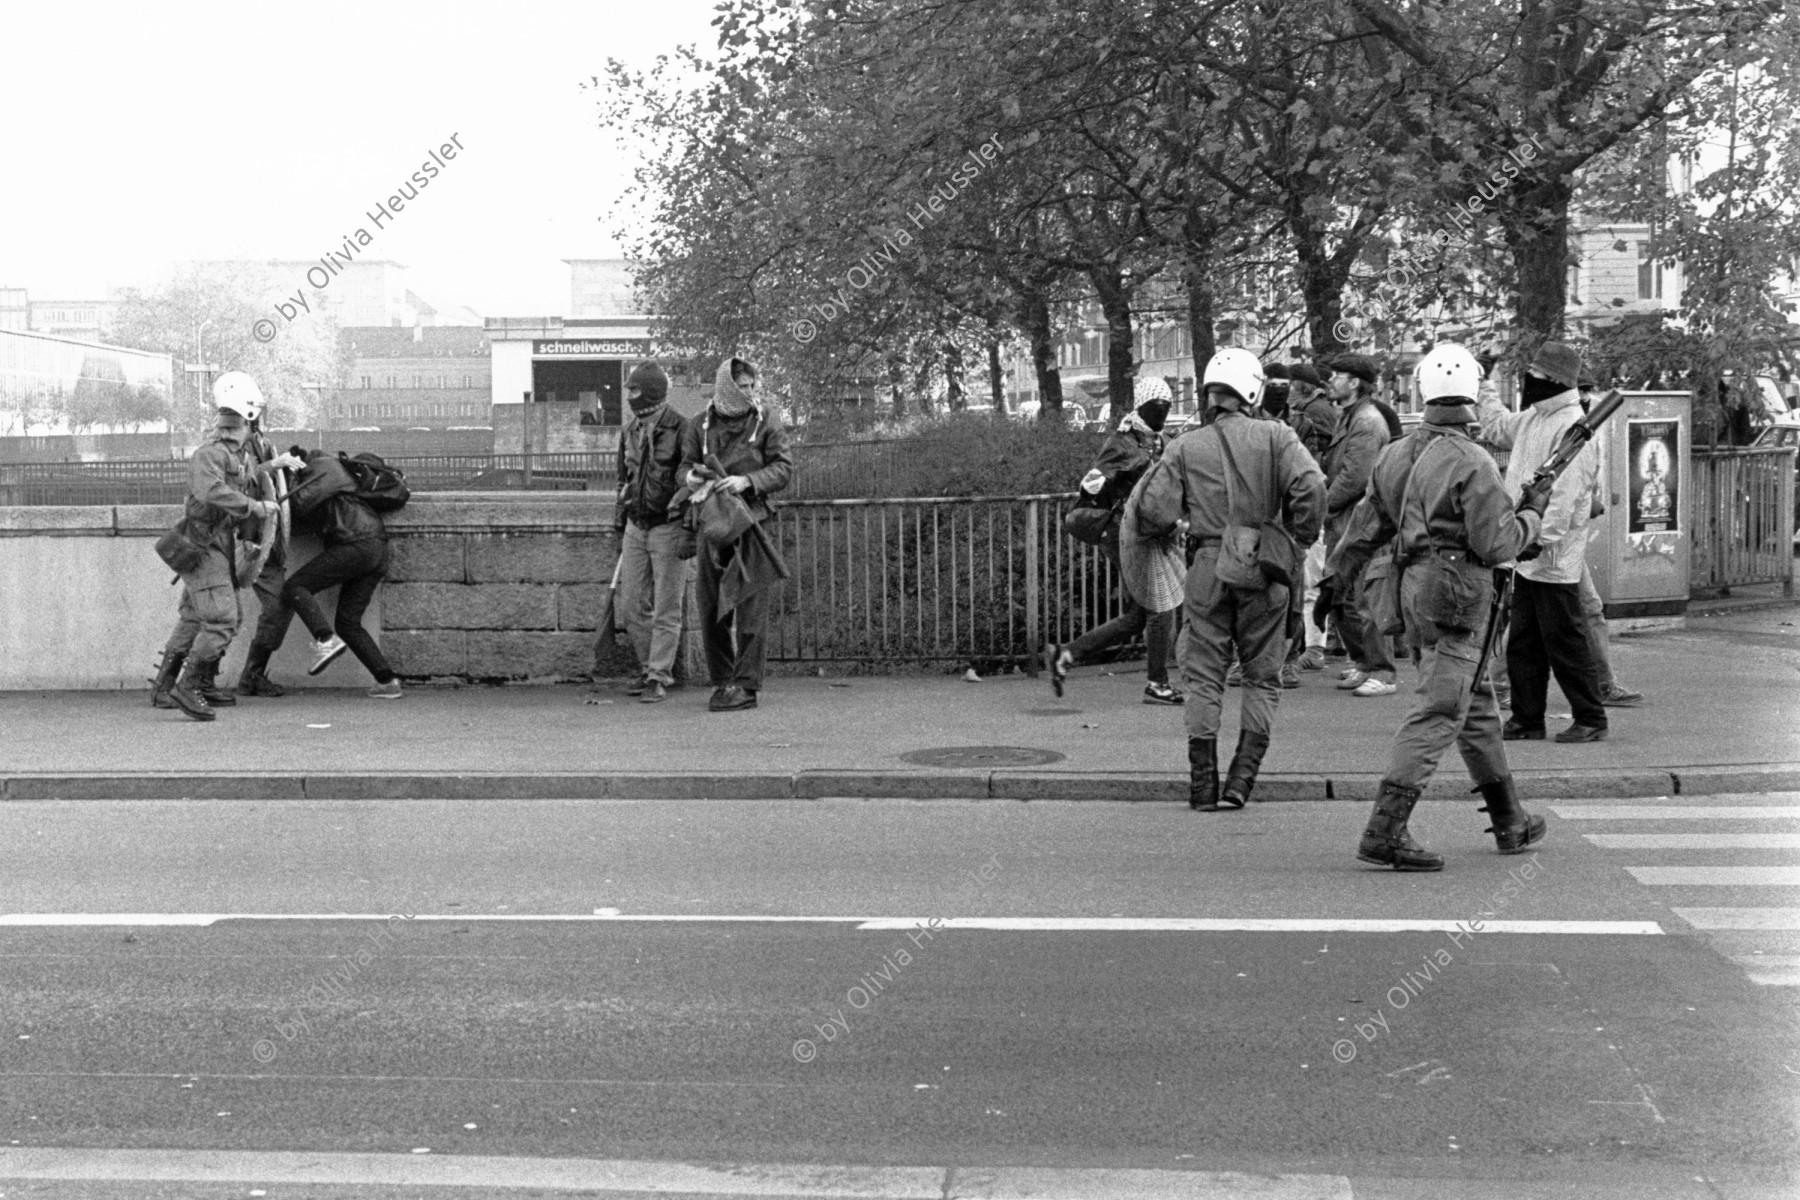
[(1124, 456), (347, 519), (753, 445), (1316, 421), (650, 468), (1351, 456), (324, 502)]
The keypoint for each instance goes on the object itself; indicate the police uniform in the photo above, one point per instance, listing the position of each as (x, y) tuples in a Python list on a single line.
[(222, 482), (1455, 523), (1191, 479)]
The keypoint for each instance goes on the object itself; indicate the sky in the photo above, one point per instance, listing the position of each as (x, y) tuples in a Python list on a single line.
[(136, 136)]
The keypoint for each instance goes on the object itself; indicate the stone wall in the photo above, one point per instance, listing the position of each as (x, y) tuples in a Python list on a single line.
[(481, 587)]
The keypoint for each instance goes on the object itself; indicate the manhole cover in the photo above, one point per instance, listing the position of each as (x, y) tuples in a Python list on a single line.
[(982, 756)]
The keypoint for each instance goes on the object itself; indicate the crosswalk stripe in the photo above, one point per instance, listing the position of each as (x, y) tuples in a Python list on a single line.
[(1717, 876), (1740, 918), (640, 1178), (1695, 841), (1676, 812), (1770, 970)]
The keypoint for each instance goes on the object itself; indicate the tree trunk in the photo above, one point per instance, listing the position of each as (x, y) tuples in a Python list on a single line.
[(996, 377), (953, 376), (1539, 242), (1201, 310), (922, 384), (1034, 316), (1115, 303), (1321, 287), (895, 388)]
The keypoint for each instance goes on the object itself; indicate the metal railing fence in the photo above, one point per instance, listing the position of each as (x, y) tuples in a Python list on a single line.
[(982, 580), (1743, 518), (164, 481)]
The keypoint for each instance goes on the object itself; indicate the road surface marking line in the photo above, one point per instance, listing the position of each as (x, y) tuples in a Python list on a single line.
[(1259, 925), (1740, 918), (1676, 812), (799, 1182), (1770, 970), (1717, 876), (1695, 841), (889, 924)]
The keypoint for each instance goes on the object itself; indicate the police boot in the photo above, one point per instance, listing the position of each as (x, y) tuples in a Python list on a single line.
[(1241, 778), (255, 681), (1514, 828), (166, 675), (1203, 774), (215, 695), (188, 694), (1386, 840)]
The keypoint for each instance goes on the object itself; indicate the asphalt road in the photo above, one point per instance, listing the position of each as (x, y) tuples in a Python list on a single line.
[(287, 1016)]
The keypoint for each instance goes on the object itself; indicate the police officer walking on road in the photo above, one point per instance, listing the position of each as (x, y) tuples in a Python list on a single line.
[(1231, 476), (1456, 523)]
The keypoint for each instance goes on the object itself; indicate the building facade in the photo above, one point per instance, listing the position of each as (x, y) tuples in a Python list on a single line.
[(56, 385), (434, 377)]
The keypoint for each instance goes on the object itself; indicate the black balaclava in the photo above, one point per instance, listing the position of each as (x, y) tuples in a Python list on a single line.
[(1533, 388), (1154, 413)]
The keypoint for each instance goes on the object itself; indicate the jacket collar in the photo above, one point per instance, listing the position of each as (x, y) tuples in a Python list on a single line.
[(1557, 402)]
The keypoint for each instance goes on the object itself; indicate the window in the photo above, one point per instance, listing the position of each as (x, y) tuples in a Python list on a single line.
[(365, 383), (466, 381), (390, 381), (1574, 283), (1650, 274)]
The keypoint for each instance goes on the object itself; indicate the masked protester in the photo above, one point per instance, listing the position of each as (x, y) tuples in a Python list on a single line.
[(1548, 634), (652, 548), (1235, 473), (1441, 495), (736, 447), (1125, 455), (1613, 694), (224, 498)]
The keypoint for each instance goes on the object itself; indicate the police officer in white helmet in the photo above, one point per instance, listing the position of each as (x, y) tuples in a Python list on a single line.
[(1440, 490), (225, 486), (1228, 478)]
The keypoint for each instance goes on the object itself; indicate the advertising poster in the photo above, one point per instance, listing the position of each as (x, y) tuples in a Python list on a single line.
[(1653, 491)]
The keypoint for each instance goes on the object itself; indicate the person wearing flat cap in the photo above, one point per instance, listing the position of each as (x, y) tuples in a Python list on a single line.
[(1312, 415), (1348, 462), (1548, 634)]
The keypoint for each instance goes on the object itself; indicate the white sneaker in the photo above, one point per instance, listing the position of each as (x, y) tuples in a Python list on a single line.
[(386, 691), (1375, 685), (1351, 680), (325, 653)]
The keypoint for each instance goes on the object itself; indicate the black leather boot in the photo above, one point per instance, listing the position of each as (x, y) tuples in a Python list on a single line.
[(1203, 774), (1241, 778), (1386, 840), (1514, 828), (188, 694), (255, 681), (166, 674), (215, 695)]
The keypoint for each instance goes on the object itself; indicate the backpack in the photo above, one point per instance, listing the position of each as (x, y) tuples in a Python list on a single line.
[(380, 486)]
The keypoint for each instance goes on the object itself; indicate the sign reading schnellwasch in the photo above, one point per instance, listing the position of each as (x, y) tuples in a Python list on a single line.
[(556, 347)]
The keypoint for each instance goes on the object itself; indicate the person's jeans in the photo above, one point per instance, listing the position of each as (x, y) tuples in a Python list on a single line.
[(356, 570), (1549, 636), (1158, 630), (652, 580), (1593, 615), (735, 640)]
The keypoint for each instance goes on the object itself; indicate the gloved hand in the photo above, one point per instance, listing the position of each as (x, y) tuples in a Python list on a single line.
[(1536, 497), (286, 462), (1321, 610), (1530, 552)]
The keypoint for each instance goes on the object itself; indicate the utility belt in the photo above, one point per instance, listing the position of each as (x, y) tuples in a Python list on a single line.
[(1458, 555)]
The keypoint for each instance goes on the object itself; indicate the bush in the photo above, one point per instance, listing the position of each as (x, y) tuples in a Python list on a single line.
[(962, 454)]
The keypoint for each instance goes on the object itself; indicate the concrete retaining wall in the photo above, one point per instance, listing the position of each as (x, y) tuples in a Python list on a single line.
[(481, 587)]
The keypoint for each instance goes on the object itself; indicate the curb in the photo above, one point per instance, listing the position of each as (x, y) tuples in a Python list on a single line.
[(819, 784)]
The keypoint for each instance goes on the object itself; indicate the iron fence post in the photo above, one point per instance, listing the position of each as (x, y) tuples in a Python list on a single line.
[(1033, 566)]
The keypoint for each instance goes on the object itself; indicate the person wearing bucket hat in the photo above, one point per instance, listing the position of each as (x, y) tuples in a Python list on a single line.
[(1548, 635), (1348, 462)]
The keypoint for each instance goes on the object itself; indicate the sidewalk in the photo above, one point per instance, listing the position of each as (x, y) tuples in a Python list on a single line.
[(1722, 715)]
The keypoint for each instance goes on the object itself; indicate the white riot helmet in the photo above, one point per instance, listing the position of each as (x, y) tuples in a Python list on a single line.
[(1448, 373), (237, 392), (1238, 370)]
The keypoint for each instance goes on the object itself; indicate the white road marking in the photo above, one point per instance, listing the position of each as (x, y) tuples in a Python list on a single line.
[(1740, 918), (812, 1182), (1770, 970), (1717, 876), (889, 924), (1695, 841), (1676, 812)]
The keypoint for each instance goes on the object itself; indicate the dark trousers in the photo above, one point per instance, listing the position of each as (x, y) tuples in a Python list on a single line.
[(273, 618), (729, 659), (356, 570), (1158, 630), (1549, 636)]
